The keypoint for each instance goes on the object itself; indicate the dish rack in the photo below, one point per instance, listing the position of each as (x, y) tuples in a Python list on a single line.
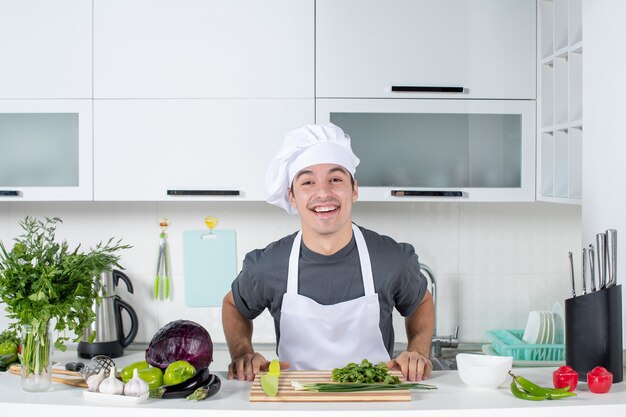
[(510, 343)]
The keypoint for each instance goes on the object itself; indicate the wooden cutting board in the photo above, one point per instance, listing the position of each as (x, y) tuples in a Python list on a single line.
[(78, 381), (286, 393)]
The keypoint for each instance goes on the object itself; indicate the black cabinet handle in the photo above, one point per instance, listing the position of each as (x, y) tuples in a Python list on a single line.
[(425, 89), (10, 193), (412, 193), (203, 192)]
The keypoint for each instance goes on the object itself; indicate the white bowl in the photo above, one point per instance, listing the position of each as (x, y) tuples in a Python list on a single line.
[(483, 371)]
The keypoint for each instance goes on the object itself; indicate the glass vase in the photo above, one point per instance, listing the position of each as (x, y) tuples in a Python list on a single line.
[(36, 357)]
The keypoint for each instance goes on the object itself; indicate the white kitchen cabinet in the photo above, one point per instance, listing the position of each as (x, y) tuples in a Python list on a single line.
[(203, 49), (45, 49), (485, 48), (46, 150), (439, 150), (182, 150), (560, 117)]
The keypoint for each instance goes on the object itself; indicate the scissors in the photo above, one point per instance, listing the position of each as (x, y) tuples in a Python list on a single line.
[(163, 263)]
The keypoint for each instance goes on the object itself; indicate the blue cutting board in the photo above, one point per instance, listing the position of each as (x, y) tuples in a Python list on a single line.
[(210, 266)]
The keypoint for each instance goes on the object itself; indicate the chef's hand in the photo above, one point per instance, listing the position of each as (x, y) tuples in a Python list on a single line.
[(245, 367), (414, 366)]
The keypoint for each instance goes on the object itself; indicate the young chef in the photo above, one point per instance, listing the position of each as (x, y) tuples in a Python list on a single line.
[(332, 286)]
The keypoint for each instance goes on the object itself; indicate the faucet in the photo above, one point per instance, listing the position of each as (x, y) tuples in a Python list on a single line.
[(438, 342)]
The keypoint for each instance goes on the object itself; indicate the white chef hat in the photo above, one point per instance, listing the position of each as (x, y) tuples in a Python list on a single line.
[(308, 145)]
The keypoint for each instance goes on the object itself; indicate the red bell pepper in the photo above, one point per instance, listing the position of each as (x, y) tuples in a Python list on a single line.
[(565, 376), (599, 380)]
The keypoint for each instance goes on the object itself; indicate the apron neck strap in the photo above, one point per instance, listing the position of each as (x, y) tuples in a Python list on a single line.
[(294, 257), (364, 259)]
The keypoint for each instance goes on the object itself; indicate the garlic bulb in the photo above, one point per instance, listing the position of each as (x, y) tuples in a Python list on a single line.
[(111, 385), (136, 387), (94, 381)]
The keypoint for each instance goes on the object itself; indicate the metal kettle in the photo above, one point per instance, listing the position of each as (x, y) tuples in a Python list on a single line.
[(110, 337)]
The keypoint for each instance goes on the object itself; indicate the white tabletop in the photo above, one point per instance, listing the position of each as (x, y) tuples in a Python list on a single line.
[(451, 397)]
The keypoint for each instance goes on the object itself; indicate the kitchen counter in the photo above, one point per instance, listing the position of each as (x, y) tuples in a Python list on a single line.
[(451, 397)]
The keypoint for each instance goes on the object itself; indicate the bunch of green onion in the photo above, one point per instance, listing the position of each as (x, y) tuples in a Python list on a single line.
[(358, 387)]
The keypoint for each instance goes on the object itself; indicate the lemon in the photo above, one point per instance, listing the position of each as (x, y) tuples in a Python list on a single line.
[(269, 384), (274, 368)]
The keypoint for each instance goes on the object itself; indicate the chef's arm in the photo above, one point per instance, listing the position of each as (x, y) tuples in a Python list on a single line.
[(245, 363), (420, 326), (414, 363)]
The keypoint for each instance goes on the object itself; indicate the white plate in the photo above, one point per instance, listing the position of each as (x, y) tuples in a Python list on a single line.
[(113, 399), (532, 333), (559, 323), (552, 335), (543, 334)]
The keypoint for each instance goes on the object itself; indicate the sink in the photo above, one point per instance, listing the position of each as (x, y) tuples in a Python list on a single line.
[(447, 360), (444, 364)]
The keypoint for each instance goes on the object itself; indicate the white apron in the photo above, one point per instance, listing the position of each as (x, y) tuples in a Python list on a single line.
[(316, 336)]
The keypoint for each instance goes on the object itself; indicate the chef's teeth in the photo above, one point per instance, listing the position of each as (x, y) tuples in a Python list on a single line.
[(324, 209)]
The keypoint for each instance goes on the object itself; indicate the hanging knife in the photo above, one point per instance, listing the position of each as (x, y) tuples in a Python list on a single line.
[(601, 254), (592, 269), (571, 273), (611, 257), (584, 273)]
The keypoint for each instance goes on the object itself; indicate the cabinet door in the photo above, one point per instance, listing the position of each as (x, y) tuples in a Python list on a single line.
[(45, 150), (487, 47), (145, 148), (434, 150), (45, 49), (203, 48)]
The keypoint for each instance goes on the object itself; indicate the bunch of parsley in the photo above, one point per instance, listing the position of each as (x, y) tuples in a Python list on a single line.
[(42, 281), (366, 373)]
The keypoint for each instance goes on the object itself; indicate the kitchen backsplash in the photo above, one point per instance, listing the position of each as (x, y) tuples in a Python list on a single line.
[(493, 262)]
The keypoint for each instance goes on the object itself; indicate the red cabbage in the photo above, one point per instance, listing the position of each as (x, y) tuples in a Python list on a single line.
[(180, 340)]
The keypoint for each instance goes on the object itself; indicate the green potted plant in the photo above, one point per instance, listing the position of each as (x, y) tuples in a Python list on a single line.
[(45, 285)]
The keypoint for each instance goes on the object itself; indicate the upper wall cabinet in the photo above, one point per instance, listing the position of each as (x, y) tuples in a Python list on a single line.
[(426, 48), (203, 49), (45, 150), (45, 49), (212, 149), (434, 150)]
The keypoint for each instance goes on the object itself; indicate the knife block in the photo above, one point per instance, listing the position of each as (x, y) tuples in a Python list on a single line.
[(593, 332)]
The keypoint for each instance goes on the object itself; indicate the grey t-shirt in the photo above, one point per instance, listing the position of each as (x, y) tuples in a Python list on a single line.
[(332, 279)]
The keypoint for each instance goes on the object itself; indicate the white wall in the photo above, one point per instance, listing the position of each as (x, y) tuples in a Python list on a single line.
[(604, 139), (493, 262)]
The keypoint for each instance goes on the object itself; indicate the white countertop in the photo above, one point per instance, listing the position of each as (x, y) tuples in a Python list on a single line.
[(449, 399)]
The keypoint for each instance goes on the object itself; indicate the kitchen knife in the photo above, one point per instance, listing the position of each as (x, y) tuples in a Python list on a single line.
[(611, 257), (601, 256), (584, 273), (592, 269), (571, 273)]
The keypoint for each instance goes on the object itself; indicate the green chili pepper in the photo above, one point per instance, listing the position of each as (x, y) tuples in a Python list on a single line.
[(531, 391), (559, 395), (535, 389), (524, 395)]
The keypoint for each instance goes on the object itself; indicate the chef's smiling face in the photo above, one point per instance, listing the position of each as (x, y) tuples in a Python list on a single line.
[(323, 195)]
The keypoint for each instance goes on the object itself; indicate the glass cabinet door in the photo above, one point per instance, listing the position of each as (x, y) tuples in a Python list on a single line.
[(45, 150), (422, 149)]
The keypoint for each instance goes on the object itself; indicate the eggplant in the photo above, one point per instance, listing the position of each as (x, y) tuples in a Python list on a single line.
[(208, 390), (182, 389)]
